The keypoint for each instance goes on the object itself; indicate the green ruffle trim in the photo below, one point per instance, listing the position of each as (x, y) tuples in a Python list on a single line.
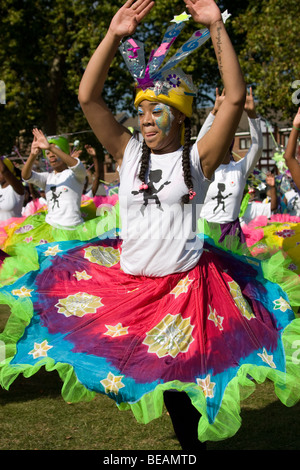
[(274, 267), (150, 406), (19, 319), (276, 270), (23, 256), (231, 243)]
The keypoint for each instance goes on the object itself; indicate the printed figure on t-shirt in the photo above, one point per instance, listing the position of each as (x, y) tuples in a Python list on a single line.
[(220, 198), (151, 191)]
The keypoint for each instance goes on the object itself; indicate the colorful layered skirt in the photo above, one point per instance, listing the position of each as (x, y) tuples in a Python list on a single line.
[(211, 332), (22, 235), (279, 234)]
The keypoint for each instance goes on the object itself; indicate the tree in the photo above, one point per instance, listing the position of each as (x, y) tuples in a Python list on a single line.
[(269, 55), (45, 45)]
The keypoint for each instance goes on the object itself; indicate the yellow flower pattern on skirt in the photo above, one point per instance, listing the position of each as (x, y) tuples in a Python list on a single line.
[(105, 256), (171, 336), (240, 301), (78, 304)]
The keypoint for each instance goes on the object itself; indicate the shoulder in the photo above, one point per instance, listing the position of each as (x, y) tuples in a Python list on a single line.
[(132, 150)]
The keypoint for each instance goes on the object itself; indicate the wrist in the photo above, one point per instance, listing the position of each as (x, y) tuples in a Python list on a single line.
[(113, 36), (297, 128), (216, 23)]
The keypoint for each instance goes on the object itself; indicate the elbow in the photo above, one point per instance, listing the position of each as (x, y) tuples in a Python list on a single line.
[(25, 175), (86, 98), (83, 99), (238, 96)]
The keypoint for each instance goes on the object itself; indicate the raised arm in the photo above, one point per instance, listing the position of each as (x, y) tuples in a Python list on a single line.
[(291, 148), (11, 178), (253, 155), (34, 152), (112, 135), (214, 145)]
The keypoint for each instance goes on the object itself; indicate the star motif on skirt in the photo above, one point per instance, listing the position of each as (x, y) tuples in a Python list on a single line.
[(207, 386), (182, 286), (40, 349), (267, 358), (52, 251), (281, 304), (215, 318), (23, 292), (112, 383), (240, 301), (117, 330), (82, 275)]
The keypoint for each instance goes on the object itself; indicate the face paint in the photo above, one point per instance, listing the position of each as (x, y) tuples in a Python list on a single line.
[(163, 117)]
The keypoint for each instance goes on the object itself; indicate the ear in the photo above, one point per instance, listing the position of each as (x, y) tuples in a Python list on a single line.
[(181, 117)]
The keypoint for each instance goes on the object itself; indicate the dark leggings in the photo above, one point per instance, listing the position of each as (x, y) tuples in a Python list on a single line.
[(185, 418)]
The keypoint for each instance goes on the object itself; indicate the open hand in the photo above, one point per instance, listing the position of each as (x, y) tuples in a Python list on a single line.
[(249, 104), (296, 121), (270, 179), (205, 12), (40, 141), (128, 17)]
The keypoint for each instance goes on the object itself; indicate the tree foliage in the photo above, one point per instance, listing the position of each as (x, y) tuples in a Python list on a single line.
[(269, 54), (46, 44)]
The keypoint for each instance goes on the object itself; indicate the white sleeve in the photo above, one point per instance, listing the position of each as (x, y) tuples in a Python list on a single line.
[(251, 158), (38, 179), (206, 126), (79, 171)]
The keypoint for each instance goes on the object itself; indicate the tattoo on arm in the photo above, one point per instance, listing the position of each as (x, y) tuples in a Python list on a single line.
[(219, 50)]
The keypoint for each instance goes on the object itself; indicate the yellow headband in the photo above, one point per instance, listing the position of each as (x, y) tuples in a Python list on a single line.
[(179, 100), (9, 165)]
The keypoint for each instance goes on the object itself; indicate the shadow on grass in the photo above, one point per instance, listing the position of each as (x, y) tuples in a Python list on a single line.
[(272, 426), (42, 383)]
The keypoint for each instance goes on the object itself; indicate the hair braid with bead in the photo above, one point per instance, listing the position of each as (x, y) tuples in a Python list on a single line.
[(186, 162), (144, 164)]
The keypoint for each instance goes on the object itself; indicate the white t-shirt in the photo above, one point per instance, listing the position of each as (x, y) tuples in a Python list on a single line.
[(63, 192), (11, 203), (255, 209), (158, 231), (224, 196), (293, 202)]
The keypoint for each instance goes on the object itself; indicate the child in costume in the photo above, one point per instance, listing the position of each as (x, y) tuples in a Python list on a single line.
[(63, 186), (11, 191), (152, 311), (293, 196), (222, 204), (282, 232), (66, 216), (290, 152)]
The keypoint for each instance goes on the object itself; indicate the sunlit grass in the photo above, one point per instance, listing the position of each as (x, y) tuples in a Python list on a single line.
[(34, 416)]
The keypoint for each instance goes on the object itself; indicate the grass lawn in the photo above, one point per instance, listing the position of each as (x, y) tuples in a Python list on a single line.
[(34, 416)]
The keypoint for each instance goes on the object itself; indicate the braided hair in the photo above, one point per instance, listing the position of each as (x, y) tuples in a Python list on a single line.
[(144, 163)]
